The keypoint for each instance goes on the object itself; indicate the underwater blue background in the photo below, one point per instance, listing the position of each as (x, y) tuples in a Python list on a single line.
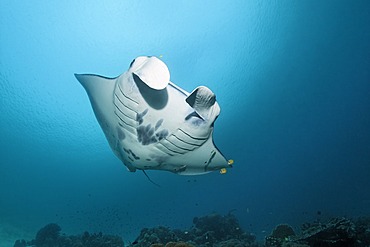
[(292, 79)]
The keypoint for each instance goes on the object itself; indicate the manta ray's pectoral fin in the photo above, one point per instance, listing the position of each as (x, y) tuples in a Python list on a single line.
[(203, 101), (100, 91)]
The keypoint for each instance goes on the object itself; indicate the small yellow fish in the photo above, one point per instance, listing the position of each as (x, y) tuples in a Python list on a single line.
[(223, 171), (230, 162)]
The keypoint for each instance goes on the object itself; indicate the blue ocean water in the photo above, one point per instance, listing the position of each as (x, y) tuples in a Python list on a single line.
[(292, 79)]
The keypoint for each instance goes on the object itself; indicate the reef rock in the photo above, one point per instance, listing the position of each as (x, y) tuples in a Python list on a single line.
[(214, 228), (211, 230), (279, 235), (363, 231), (337, 232), (49, 236)]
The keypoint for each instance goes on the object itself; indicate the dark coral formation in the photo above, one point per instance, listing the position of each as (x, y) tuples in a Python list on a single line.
[(362, 234), (173, 244), (49, 236), (279, 235), (216, 229), (157, 235), (211, 230), (337, 232)]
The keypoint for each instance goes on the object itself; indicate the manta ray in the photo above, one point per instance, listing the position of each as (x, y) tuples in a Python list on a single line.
[(152, 124)]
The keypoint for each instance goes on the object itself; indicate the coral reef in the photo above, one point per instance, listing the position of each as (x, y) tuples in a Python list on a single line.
[(20, 243), (224, 231), (214, 228), (49, 236), (211, 230), (283, 231), (173, 244), (157, 235), (279, 235), (336, 232), (217, 231), (363, 231)]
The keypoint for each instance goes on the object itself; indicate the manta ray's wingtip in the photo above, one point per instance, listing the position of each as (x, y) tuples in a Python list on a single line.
[(82, 78), (77, 76)]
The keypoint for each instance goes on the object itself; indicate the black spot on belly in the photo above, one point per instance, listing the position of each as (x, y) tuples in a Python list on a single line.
[(158, 124), (134, 155), (140, 116), (162, 134), (131, 155), (147, 134), (121, 134)]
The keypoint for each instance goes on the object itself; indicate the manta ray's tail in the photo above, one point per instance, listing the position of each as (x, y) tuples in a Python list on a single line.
[(150, 179)]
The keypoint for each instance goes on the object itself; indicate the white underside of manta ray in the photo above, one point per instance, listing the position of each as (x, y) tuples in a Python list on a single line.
[(152, 124)]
